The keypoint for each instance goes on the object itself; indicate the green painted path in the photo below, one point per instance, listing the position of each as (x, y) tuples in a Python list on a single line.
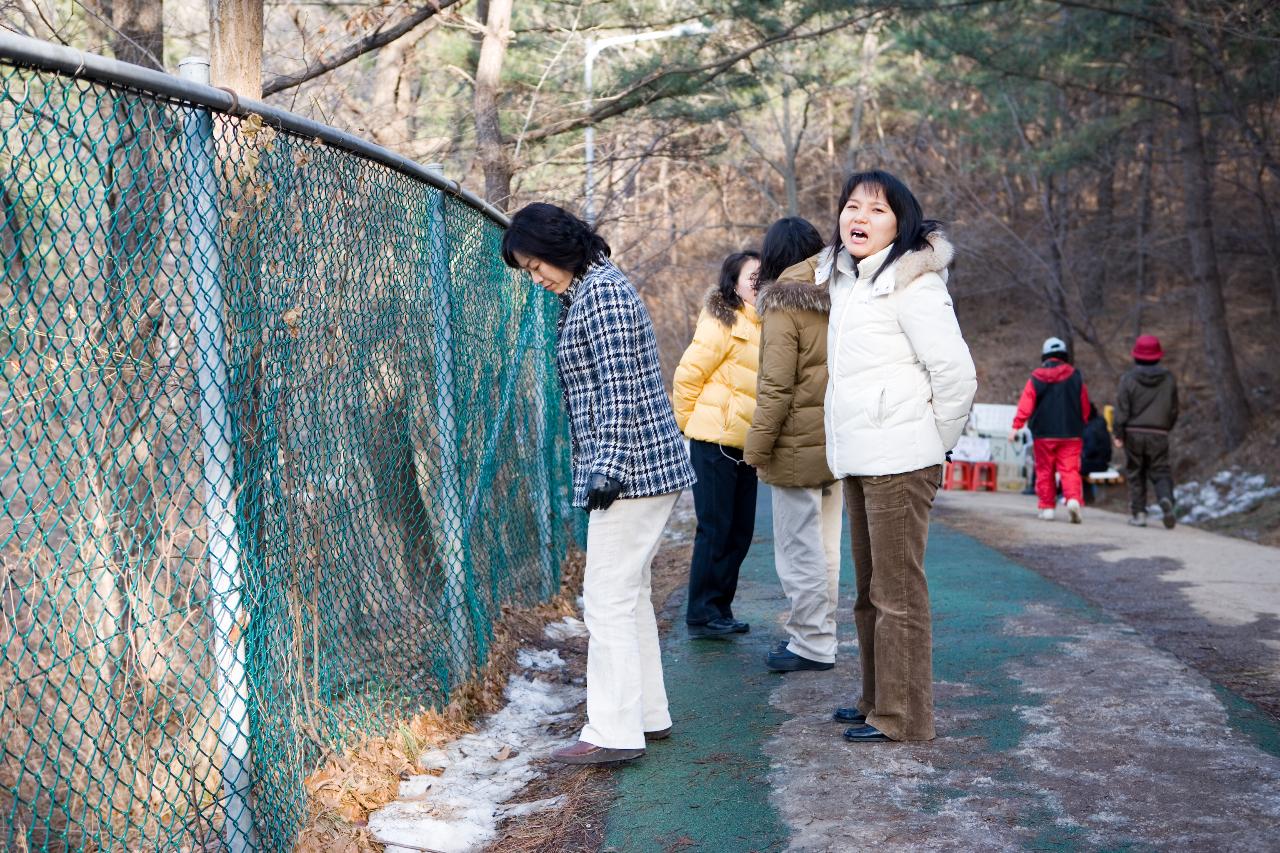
[(1025, 672), (707, 788)]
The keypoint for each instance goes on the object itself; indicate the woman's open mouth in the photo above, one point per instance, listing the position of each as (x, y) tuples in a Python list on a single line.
[(857, 234)]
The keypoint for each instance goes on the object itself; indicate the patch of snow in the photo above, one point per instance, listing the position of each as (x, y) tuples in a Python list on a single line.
[(525, 809), (459, 810), (683, 522), (1226, 493), (566, 629), (433, 759), (539, 660)]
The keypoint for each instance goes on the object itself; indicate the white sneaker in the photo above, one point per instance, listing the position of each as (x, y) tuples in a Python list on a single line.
[(1073, 510), (1046, 515)]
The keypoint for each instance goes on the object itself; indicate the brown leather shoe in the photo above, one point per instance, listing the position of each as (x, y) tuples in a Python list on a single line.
[(660, 734), (588, 753)]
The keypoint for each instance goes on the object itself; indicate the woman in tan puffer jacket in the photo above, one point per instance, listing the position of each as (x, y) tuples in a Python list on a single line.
[(714, 397), (787, 444)]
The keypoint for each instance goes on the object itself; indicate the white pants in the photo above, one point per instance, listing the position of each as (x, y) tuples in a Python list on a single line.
[(806, 551), (625, 693)]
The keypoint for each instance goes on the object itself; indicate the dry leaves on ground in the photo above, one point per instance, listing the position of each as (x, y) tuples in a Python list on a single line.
[(348, 787)]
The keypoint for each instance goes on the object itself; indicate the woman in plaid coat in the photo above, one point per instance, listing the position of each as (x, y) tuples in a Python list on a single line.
[(629, 465)]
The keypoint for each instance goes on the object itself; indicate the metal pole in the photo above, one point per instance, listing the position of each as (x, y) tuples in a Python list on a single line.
[(593, 49), (450, 516), (225, 581), (542, 476), (589, 209)]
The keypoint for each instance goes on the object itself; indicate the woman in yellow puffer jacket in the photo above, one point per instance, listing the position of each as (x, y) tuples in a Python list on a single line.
[(714, 400)]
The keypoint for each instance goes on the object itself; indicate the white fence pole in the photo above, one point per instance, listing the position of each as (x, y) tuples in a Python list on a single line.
[(542, 474), (450, 513), (225, 581)]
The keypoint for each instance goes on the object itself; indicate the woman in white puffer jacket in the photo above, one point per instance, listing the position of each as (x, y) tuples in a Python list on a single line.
[(900, 389)]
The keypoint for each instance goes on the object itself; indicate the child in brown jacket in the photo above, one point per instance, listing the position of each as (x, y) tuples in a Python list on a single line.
[(1146, 410)]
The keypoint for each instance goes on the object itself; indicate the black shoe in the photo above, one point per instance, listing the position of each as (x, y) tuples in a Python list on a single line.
[(849, 715), (1166, 507), (785, 660), (716, 629), (865, 734), (739, 627)]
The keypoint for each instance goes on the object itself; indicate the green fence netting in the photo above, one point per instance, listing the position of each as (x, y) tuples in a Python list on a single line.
[(281, 436)]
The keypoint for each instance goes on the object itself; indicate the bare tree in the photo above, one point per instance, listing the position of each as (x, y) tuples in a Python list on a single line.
[(382, 36), (494, 158), (1197, 187)]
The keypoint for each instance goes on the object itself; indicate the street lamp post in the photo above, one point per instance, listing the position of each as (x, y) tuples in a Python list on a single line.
[(594, 47)]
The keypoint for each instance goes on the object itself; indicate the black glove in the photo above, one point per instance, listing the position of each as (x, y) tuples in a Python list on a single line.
[(602, 491)]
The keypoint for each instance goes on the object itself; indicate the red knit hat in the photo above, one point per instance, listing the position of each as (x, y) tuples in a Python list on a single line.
[(1147, 348)]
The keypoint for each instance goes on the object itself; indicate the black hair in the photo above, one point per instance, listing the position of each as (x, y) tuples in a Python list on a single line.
[(553, 235), (913, 228), (788, 241), (729, 272), (1146, 362)]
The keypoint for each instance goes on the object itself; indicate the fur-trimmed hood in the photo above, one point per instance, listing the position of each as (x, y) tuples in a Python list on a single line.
[(719, 308), (788, 294), (935, 258)]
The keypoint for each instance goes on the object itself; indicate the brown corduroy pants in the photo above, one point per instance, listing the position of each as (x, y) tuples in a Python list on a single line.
[(889, 527)]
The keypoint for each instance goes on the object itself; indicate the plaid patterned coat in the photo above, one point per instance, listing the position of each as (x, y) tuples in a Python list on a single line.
[(620, 420)]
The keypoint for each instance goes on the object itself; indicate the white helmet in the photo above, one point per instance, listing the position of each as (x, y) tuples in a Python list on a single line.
[(1053, 346)]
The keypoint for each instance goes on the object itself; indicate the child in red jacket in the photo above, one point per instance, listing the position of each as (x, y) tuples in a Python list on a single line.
[(1054, 405)]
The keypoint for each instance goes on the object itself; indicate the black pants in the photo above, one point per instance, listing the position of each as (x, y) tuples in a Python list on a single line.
[(725, 500), (1146, 454)]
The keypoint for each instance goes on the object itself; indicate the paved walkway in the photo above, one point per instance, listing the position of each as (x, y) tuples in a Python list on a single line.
[(1060, 727)]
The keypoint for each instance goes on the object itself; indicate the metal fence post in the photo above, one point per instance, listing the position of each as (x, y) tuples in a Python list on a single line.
[(225, 580), (458, 584), (542, 475)]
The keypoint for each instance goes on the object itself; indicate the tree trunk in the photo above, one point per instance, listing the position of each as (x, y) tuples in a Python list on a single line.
[(139, 32), (13, 245), (1197, 186), (1055, 288), (394, 101), (1272, 242), (1143, 237), (235, 45), (132, 324), (790, 146), (489, 141), (867, 51), (1095, 285), (99, 25)]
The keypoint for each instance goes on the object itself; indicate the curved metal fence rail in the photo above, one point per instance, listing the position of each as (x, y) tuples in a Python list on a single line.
[(281, 437)]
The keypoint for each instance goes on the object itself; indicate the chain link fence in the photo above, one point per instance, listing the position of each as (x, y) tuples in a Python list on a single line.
[(281, 436)]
